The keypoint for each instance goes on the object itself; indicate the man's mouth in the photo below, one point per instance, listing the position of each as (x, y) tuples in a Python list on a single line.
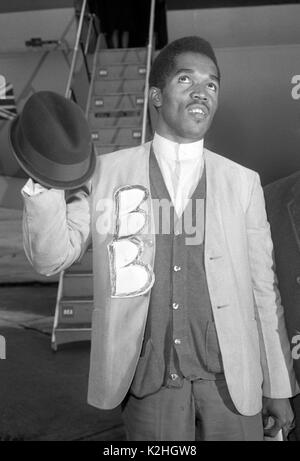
[(199, 111)]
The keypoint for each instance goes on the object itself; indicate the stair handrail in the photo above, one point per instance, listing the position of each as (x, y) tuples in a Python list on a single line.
[(93, 75), (75, 50), (91, 18), (149, 59)]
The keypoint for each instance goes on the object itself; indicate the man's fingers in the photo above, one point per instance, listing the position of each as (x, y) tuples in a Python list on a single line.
[(288, 427), (272, 431)]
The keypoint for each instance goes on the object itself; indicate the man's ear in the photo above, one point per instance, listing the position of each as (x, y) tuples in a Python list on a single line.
[(155, 96)]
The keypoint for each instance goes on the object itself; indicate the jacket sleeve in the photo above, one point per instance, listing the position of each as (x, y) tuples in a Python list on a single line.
[(276, 360), (56, 229)]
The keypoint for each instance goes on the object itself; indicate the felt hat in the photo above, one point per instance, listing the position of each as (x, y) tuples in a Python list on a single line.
[(51, 141)]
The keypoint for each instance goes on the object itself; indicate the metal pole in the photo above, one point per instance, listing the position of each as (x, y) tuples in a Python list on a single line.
[(149, 56), (75, 51), (91, 19), (86, 64), (93, 76)]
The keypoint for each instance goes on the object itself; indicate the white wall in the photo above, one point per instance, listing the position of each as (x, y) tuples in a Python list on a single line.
[(258, 121), (258, 49), (247, 26), (52, 24)]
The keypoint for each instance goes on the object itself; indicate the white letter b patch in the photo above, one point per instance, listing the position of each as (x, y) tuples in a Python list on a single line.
[(130, 275)]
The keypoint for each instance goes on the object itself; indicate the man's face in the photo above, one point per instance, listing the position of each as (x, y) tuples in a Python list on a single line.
[(189, 99)]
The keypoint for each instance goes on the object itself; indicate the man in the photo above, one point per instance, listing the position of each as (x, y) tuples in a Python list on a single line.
[(188, 329), (283, 209)]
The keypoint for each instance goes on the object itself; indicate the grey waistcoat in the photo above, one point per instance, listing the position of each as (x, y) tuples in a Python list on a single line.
[(180, 338)]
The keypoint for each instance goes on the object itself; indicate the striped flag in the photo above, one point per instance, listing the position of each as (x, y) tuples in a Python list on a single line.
[(8, 109)]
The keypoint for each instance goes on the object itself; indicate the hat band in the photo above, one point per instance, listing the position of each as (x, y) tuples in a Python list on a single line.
[(48, 168)]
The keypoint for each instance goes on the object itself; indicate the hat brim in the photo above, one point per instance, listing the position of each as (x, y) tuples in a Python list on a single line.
[(33, 171)]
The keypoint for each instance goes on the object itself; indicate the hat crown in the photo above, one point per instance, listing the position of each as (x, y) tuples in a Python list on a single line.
[(51, 141), (56, 128)]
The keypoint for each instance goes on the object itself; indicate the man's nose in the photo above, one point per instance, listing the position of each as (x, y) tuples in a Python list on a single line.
[(198, 93)]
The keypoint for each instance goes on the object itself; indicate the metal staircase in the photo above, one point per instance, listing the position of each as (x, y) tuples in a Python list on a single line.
[(117, 115), (116, 109), (74, 305)]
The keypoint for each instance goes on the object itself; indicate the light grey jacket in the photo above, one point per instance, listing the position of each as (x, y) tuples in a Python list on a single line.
[(239, 267)]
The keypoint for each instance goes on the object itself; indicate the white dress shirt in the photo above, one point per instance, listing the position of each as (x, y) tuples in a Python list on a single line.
[(188, 158)]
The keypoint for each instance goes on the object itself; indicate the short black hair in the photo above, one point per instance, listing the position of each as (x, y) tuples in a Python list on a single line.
[(165, 62)]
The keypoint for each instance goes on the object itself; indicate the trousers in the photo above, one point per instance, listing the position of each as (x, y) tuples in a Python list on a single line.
[(200, 410)]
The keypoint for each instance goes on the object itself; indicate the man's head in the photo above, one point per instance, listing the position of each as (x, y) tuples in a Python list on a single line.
[(184, 87)]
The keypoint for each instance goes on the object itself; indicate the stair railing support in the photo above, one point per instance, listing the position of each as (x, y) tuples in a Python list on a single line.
[(149, 59), (75, 51)]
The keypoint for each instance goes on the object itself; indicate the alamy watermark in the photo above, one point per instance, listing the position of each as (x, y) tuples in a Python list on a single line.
[(295, 92), (2, 348), (296, 346), (135, 220), (2, 87)]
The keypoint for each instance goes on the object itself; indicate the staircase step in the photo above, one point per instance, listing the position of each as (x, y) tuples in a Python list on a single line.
[(77, 299), (77, 284), (84, 265), (72, 327), (115, 119), (105, 86), (118, 71), (117, 101), (107, 149), (123, 55), (119, 136), (75, 313), (70, 335)]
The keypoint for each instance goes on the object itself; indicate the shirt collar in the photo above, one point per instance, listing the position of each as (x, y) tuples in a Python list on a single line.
[(171, 150)]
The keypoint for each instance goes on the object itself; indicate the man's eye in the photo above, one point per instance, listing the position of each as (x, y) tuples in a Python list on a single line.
[(212, 86), (184, 79)]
